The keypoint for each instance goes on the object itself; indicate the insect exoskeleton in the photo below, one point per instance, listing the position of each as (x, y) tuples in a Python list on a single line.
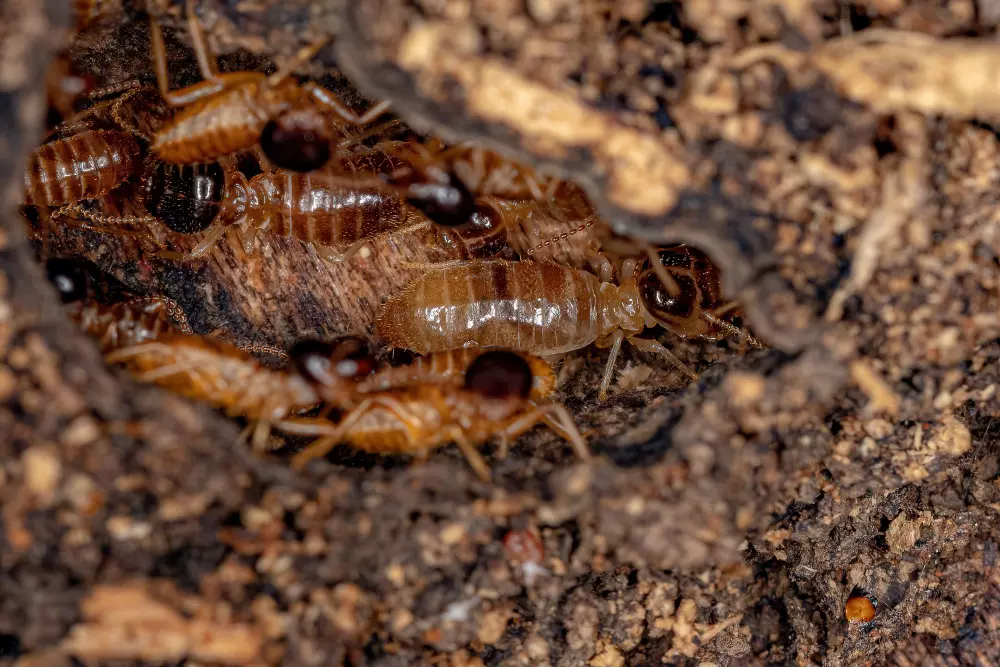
[(416, 419), (229, 113), (331, 209), (226, 377), (106, 311), (83, 166), (537, 307)]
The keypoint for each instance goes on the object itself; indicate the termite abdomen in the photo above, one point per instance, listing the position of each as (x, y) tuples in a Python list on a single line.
[(293, 141), (83, 166), (499, 374), (185, 198)]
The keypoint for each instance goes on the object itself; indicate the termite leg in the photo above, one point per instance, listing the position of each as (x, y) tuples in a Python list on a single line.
[(323, 446), (609, 368), (558, 419), (184, 96), (328, 100), (207, 65), (305, 54), (339, 256), (472, 456), (655, 347)]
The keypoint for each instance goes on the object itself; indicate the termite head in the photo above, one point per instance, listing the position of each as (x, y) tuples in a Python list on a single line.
[(483, 234), (503, 379), (333, 366), (185, 198), (697, 281), (296, 140), (444, 199)]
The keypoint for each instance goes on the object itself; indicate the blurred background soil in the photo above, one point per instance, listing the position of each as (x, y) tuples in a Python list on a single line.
[(726, 522)]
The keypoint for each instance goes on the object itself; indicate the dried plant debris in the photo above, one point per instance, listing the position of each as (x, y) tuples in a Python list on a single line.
[(838, 163)]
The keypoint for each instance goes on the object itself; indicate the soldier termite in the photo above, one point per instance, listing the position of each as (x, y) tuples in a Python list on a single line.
[(82, 166), (544, 309), (107, 312), (233, 112), (224, 376), (416, 419)]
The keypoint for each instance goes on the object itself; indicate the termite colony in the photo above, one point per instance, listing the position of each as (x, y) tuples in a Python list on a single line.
[(539, 275)]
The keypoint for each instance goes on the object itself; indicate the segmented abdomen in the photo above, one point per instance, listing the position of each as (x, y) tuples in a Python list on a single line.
[(83, 166), (380, 430), (322, 208), (210, 129), (217, 373), (534, 307)]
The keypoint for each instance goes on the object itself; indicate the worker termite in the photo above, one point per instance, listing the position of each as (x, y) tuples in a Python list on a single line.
[(107, 312), (549, 309), (82, 166), (224, 376), (416, 419), (232, 112)]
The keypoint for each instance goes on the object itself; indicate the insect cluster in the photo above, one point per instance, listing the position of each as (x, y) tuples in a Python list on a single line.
[(540, 273)]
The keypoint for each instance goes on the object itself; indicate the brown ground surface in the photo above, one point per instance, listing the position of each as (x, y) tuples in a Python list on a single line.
[(727, 522)]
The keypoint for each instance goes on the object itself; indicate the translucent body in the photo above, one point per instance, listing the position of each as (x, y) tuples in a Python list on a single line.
[(83, 166), (219, 374), (535, 307), (317, 208), (227, 122)]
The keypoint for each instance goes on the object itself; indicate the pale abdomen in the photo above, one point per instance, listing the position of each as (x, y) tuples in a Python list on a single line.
[(534, 307), (83, 166), (322, 208), (205, 131)]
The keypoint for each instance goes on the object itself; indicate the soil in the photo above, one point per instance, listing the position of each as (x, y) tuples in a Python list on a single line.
[(836, 161)]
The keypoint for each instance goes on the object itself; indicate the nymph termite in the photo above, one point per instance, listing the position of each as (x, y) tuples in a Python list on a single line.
[(493, 401), (548, 309), (233, 112)]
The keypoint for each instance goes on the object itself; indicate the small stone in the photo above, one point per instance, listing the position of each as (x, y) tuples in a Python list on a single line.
[(952, 437), (609, 656), (493, 626), (452, 534), (878, 428), (125, 528), (42, 471), (8, 383), (903, 533), (81, 431), (745, 389)]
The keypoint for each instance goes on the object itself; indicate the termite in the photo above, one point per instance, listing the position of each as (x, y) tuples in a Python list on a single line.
[(549, 309), (226, 377), (82, 166), (107, 312), (417, 419), (483, 172), (233, 112)]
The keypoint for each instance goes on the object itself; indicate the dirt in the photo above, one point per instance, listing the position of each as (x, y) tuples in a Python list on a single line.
[(726, 521)]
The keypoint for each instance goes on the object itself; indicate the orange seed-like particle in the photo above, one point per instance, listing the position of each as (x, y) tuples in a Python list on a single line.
[(859, 609)]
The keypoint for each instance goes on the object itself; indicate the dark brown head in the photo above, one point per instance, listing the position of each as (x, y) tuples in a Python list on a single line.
[(296, 140), (698, 280), (499, 374), (443, 197), (185, 198)]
